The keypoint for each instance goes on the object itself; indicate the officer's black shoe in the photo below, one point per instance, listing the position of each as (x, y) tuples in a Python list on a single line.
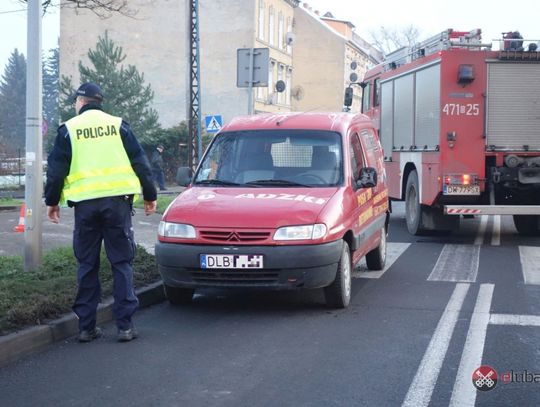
[(127, 335), (90, 335)]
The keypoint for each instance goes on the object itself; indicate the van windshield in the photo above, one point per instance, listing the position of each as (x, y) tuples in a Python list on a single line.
[(268, 158)]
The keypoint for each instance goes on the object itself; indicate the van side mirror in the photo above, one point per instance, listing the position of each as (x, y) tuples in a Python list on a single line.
[(348, 97), (367, 177), (183, 176)]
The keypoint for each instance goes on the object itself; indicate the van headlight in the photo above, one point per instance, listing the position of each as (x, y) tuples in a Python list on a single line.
[(303, 232), (180, 230)]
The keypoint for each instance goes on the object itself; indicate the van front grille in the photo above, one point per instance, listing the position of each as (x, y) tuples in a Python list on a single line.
[(234, 236)]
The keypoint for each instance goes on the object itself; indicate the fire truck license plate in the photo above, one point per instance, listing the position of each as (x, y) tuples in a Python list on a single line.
[(461, 190), (231, 261)]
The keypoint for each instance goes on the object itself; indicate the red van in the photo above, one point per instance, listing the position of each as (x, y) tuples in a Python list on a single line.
[(282, 201)]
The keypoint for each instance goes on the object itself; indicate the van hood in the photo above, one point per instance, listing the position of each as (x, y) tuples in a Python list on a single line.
[(248, 207)]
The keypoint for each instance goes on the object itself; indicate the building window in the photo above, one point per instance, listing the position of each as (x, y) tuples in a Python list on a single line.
[(271, 86), (288, 82), (281, 96), (289, 30), (281, 34), (271, 26), (262, 26)]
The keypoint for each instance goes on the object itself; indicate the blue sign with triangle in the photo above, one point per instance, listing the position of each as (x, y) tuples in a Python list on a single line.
[(213, 123)]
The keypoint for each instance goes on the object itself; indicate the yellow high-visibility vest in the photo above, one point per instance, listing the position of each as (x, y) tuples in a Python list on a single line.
[(100, 166)]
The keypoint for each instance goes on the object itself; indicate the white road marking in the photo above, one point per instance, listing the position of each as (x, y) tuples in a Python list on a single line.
[(141, 222), (421, 389), (464, 393), (393, 251), (509, 319), (530, 264), (496, 233), (457, 262), (481, 230)]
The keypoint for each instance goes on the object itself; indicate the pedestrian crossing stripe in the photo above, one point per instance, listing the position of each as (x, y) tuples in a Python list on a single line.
[(456, 263)]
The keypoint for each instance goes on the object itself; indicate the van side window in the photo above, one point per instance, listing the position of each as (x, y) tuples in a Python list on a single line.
[(357, 159)]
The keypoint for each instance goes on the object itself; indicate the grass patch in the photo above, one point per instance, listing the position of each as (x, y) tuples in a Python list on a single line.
[(10, 202), (163, 202), (32, 298)]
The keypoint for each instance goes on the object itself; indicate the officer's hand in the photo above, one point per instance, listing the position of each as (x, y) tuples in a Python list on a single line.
[(149, 207), (53, 212)]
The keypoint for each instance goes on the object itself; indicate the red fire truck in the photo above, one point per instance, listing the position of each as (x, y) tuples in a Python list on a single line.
[(460, 127)]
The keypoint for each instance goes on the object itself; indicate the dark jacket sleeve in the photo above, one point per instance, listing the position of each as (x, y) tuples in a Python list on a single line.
[(58, 164), (139, 162)]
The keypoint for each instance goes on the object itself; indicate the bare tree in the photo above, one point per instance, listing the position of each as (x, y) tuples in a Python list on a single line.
[(102, 8), (390, 39)]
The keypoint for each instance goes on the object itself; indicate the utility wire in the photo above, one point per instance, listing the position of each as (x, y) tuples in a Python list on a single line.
[(12, 11)]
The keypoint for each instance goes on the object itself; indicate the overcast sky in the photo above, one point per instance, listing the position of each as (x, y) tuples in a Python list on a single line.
[(428, 16)]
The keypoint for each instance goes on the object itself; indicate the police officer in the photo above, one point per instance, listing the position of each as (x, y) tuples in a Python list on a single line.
[(97, 166)]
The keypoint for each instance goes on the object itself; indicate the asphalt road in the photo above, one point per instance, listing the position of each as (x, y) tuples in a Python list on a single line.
[(413, 335)]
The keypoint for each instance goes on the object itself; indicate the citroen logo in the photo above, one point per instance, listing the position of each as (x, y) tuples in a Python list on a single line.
[(233, 237)]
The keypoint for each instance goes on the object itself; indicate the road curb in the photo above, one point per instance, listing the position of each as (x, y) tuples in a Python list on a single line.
[(19, 344)]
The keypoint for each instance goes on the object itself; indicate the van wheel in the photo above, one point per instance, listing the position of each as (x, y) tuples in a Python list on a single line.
[(376, 259), (527, 225), (338, 294), (413, 208), (179, 295)]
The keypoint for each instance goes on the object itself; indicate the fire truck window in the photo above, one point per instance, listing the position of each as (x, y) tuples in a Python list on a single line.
[(357, 160), (376, 92), (366, 98)]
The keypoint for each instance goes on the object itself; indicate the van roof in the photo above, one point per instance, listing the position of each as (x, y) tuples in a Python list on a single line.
[(332, 121)]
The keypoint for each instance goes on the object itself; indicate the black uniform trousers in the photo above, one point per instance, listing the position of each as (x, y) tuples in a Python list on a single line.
[(108, 220)]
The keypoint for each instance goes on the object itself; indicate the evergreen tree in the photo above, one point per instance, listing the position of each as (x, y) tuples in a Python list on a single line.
[(123, 88), (13, 103), (50, 85), (51, 81)]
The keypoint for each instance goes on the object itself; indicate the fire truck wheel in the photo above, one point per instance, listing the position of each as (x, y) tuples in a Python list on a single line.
[(413, 209), (527, 225), (179, 295), (376, 258), (338, 294)]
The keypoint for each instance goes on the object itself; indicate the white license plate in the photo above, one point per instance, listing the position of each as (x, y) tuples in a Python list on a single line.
[(461, 190), (231, 261)]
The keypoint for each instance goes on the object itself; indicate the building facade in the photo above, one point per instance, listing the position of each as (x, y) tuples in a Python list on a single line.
[(328, 51), (311, 55), (156, 40)]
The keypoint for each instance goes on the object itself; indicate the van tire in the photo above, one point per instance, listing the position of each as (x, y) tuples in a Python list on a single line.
[(413, 208), (527, 225), (338, 294), (179, 295), (376, 259)]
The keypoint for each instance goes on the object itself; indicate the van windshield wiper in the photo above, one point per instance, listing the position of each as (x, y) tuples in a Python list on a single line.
[(279, 182), (216, 182)]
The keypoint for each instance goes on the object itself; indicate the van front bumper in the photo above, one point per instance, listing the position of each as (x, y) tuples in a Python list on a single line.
[(285, 267)]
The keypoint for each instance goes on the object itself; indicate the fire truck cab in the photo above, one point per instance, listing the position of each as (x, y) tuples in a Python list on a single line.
[(460, 128)]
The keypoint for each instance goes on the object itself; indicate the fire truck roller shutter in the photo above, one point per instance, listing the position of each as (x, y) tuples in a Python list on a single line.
[(512, 106), (427, 118)]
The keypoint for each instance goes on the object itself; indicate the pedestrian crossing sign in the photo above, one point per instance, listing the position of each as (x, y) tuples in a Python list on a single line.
[(213, 123)]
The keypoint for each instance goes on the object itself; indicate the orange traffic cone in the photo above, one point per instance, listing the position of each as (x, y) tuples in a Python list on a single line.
[(20, 226)]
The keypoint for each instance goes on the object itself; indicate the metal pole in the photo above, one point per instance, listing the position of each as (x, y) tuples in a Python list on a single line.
[(250, 84), (34, 144)]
